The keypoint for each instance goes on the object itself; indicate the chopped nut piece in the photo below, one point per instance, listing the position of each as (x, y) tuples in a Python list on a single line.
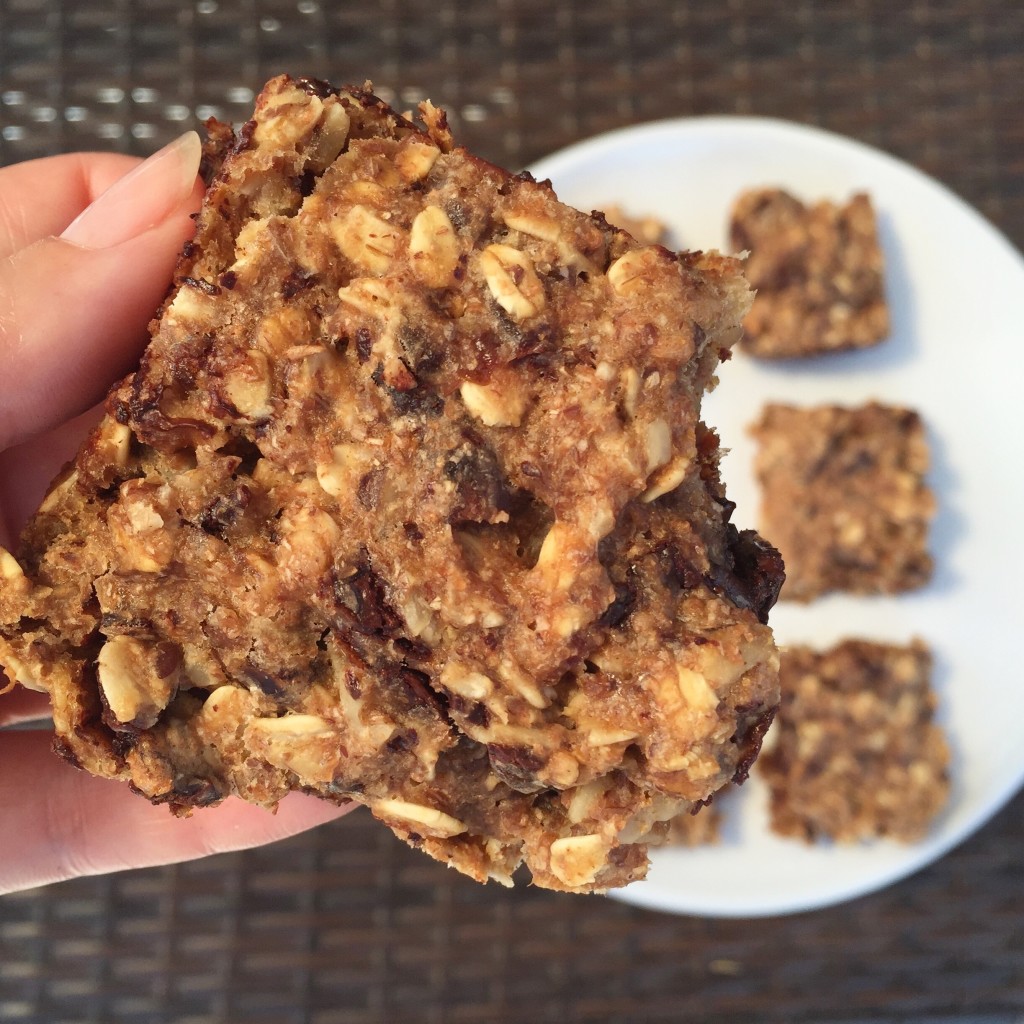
[(554, 559), (304, 744), (577, 860), (601, 737), (116, 440), (248, 388), (630, 391), (562, 769), (283, 331), (427, 819), (144, 539), (666, 479), (548, 229), (373, 193), (415, 159), (130, 676), (434, 247), (659, 445), (340, 477), (308, 536), (331, 135), (465, 682), (632, 273), (61, 492), (289, 121), (493, 406), (9, 568), (696, 689)]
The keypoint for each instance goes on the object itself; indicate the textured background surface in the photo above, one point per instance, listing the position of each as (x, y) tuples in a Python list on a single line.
[(345, 926)]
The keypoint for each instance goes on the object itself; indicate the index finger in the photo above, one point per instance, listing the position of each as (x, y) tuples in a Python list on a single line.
[(73, 181)]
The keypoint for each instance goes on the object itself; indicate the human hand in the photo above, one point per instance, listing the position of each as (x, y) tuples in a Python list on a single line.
[(88, 244)]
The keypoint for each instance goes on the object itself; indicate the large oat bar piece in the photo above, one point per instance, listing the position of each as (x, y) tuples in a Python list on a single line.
[(409, 503), (818, 272), (844, 497), (854, 752)]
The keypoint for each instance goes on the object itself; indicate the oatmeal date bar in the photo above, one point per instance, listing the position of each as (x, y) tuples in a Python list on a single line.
[(818, 272), (644, 228), (844, 497), (696, 828), (854, 753), (409, 503)]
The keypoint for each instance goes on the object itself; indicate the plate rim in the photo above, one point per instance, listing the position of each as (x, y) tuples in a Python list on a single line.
[(721, 122), (567, 159)]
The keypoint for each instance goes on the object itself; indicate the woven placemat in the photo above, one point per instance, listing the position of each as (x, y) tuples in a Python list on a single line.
[(933, 81), (345, 925)]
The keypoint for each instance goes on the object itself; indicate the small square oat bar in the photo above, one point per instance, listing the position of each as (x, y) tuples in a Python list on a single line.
[(643, 227), (818, 271), (700, 827), (854, 752), (844, 497)]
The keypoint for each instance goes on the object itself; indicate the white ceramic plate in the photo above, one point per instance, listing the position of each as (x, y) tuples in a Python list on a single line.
[(956, 354)]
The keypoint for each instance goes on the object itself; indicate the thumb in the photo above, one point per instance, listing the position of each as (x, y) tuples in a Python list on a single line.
[(74, 309), (66, 823)]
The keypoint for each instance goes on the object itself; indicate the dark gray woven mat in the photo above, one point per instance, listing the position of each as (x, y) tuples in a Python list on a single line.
[(345, 925), (935, 82)]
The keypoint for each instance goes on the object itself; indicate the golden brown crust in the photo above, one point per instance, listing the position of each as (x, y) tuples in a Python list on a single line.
[(854, 753), (409, 503), (818, 272), (844, 497)]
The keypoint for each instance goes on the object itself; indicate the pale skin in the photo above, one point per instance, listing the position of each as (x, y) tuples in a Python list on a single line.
[(88, 244)]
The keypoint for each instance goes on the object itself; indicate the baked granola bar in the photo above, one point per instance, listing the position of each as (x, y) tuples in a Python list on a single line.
[(844, 497), (409, 503), (699, 828), (818, 272), (644, 228), (854, 752)]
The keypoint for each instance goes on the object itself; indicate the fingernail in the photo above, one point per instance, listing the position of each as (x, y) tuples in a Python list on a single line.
[(142, 198)]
